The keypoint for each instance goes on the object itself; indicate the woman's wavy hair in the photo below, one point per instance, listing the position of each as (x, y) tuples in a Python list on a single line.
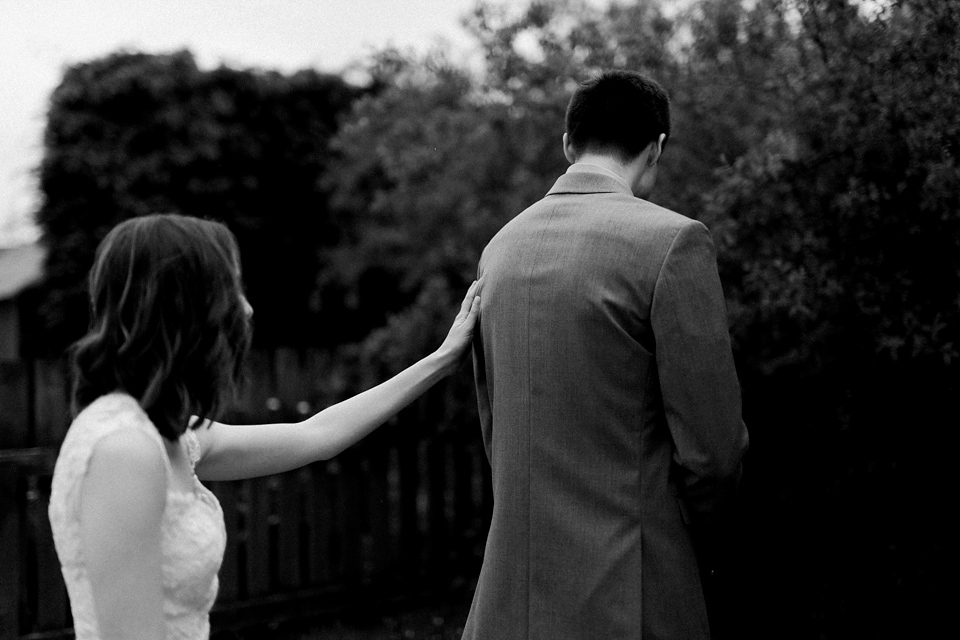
[(168, 322)]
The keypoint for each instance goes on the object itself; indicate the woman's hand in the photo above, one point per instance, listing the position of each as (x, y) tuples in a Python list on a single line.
[(457, 343)]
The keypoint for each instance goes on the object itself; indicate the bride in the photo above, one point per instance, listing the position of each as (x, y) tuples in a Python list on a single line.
[(140, 539)]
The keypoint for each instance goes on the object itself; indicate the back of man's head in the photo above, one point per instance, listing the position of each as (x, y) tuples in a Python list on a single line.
[(617, 113)]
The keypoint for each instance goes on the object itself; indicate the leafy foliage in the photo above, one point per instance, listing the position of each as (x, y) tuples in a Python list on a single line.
[(840, 234), (132, 134), (428, 170)]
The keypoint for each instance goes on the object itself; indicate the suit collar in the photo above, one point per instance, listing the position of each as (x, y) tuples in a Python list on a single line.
[(588, 178)]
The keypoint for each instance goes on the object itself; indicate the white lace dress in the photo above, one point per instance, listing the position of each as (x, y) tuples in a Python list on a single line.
[(193, 537)]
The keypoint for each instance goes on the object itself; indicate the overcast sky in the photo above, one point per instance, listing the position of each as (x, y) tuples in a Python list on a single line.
[(39, 37)]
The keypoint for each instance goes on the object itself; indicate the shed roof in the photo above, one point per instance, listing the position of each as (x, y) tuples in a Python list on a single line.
[(20, 267)]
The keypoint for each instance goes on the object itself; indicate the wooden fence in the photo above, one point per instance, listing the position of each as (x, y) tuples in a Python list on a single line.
[(404, 510)]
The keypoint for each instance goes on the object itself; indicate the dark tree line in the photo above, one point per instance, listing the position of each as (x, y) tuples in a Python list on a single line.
[(132, 134), (817, 139)]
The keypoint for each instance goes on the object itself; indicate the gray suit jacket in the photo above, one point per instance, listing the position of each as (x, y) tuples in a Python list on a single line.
[(610, 412)]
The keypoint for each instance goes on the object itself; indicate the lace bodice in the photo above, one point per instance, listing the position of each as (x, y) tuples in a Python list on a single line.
[(192, 540)]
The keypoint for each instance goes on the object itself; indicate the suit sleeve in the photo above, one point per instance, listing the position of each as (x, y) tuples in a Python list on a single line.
[(698, 381)]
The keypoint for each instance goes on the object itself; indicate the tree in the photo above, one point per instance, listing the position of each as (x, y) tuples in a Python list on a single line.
[(838, 244), (840, 232), (429, 170), (132, 134)]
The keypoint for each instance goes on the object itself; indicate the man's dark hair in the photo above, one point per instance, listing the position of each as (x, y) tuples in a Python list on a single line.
[(618, 112)]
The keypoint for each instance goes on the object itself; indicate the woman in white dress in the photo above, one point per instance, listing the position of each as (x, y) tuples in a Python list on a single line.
[(140, 539)]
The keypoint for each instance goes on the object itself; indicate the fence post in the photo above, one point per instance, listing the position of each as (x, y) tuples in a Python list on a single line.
[(51, 612), (293, 382), (348, 507), (13, 433), (410, 543), (51, 401), (258, 535), (10, 555), (378, 506), (439, 542), (318, 514), (226, 492), (466, 464), (289, 511), (251, 404), (14, 405)]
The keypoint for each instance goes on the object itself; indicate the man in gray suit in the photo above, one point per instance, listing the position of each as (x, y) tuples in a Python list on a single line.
[(609, 403)]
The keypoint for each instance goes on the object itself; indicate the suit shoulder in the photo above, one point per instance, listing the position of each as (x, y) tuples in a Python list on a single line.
[(517, 221), (650, 213)]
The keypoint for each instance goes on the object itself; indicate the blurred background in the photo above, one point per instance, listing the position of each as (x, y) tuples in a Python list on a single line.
[(364, 153)]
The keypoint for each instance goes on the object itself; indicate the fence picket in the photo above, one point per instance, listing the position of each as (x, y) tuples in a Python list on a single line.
[(409, 480), (288, 529), (436, 488), (378, 509), (226, 493), (52, 606), (258, 494), (466, 510), (348, 509), (318, 518), (51, 401), (15, 410), (293, 384), (10, 554), (259, 388)]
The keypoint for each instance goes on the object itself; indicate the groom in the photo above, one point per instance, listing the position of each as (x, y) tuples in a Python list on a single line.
[(609, 403)]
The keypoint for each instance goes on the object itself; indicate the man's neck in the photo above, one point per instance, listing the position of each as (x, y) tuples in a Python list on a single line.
[(604, 162)]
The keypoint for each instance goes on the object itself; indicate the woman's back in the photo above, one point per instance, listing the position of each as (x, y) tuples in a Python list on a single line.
[(192, 537)]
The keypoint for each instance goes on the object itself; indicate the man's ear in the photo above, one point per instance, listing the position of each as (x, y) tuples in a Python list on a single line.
[(568, 151), (656, 148)]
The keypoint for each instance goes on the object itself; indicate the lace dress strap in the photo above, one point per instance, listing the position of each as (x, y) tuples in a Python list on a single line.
[(193, 446)]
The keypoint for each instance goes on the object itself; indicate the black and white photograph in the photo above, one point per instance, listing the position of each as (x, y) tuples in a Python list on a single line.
[(478, 319)]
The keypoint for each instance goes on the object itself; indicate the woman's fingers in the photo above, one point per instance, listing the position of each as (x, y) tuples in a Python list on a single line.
[(470, 320), (475, 306), (468, 301), (459, 337)]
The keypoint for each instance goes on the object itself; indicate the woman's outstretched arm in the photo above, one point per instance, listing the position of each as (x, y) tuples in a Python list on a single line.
[(231, 452)]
